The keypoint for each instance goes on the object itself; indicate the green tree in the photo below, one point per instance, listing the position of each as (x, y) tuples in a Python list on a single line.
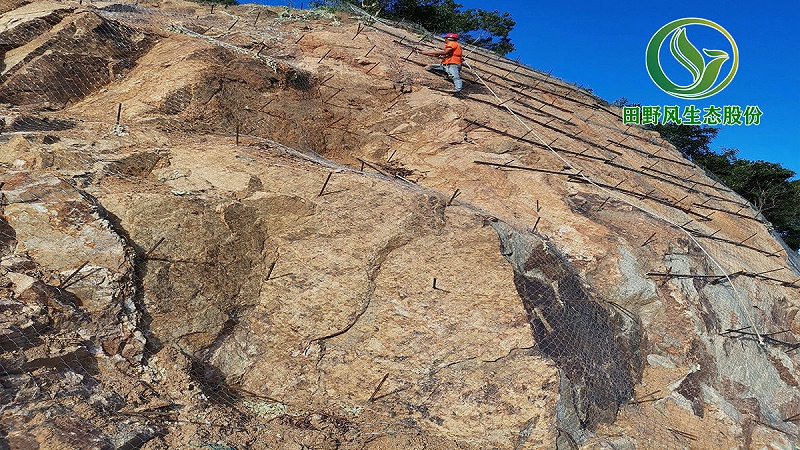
[(487, 29), (768, 186), (218, 2), (691, 140), (720, 164), (623, 101)]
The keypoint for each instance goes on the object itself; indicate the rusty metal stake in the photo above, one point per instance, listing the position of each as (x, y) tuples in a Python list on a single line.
[(397, 96), (505, 101), (390, 106), (436, 288), (792, 418), (357, 32), (64, 283), (453, 197), (378, 388), (322, 191), (92, 272), (272, 267), (265, 105), (770, 271), (334, 94), (648, 239), (704, 202), (748, 238), (323, 56), (666, 276), (523, 136), (689, 436), (645, 399), (682, 199), (647, 195), (149, 252)]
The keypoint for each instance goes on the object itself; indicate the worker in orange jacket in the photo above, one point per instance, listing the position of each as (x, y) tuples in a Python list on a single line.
[(451, 64)]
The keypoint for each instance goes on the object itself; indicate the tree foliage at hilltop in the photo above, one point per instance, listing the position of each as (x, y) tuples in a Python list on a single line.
[(691, 140), (218, 2), (487, 29), (768, 186)]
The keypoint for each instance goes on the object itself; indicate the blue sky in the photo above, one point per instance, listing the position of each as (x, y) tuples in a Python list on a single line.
[(601, 45)]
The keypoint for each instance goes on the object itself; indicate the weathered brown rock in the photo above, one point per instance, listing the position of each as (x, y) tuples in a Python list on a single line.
[(52, 57), (162, 286)]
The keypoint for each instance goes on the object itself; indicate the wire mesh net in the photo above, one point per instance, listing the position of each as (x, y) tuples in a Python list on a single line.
[(92, 265)]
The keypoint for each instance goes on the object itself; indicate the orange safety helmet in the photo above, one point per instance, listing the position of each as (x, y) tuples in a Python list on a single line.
[(451, 36)]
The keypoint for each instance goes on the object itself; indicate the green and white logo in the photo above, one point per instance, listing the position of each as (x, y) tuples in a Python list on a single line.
[(705, 75)]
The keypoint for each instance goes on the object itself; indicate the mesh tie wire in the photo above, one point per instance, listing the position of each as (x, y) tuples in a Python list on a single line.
[(745, 309), (568, 163), (318, 159), (737, 295), (209, 445)]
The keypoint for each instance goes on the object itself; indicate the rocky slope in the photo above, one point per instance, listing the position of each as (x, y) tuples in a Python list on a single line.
[(263, 228)]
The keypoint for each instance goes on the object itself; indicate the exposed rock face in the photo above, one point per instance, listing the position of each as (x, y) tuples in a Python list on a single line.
[(77, 51), (68, 299), (597, 350), (27, 23), (181, 277), (340, 296)]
